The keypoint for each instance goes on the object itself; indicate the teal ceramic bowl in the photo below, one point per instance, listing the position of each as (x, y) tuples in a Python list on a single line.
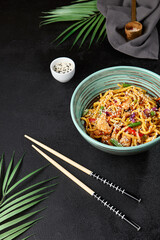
[(102, 81)]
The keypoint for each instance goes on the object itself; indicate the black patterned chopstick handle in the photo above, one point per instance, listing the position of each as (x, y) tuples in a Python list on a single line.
[(112, 185), (108, 205), (107, 182), (115, 210)]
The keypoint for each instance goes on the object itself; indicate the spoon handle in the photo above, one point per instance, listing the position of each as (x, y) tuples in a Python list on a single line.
[(134, 10)]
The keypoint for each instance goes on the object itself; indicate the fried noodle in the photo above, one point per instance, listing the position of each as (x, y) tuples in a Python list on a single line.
[(127, 114)]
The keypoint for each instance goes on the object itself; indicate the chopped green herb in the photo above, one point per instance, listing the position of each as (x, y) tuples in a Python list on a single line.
[(115, 142), (134, 124), (85, 112), (101, 108), (126, 85), (135, 101), (152, 113)]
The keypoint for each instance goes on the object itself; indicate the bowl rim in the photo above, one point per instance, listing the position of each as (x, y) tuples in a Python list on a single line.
[(95, 142)]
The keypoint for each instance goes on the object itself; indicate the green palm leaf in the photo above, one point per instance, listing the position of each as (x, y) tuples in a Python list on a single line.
[(1, 163), (18, 205), (98, 23), (13, 236), (7, 206), (103, 31), (17, 220), (14, 172), (67, 30), (86, 15), (88, 22), (27, 237), (23, 179), (79, 25), (13, 208), (26, 189), (19, 210), (83, 31), (16, 229), (74, 12), (7, 175)]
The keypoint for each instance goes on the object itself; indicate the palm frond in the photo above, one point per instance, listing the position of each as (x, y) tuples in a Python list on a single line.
[(73, 28), (19, 208), (23, 179), (1, 163), (27, 237), (7, 175), (87, 17), (13, 209), (26, 189), (16, 229), (14, 172), (16, 234), (23, 197), (97, 25), (73, 12), (102, 32)]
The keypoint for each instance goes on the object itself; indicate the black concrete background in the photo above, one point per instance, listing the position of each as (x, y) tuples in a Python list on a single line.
[(33, 103)]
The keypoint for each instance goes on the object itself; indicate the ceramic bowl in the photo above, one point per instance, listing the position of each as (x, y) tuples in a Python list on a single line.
[(62, 69), (106, 79)]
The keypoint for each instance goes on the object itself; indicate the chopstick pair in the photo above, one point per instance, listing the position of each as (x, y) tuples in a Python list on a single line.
[(81, 184)]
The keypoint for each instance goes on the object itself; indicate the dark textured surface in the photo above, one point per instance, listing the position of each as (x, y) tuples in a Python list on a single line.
[(33, 103)]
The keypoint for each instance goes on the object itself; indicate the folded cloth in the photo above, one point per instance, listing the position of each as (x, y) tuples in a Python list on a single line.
[(118, 13)]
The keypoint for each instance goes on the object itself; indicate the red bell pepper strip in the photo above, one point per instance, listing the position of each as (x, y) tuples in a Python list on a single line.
[(131, 131), (92, 119), (141, 134)]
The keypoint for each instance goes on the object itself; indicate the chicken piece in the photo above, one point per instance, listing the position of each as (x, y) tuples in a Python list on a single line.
[(126, 104), (125, 141), (102, 124), (97, 132)]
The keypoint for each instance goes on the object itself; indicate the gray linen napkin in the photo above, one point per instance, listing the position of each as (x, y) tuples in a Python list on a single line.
[(118, 13)]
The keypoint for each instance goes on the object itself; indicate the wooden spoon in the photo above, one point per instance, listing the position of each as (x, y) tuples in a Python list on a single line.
[(133, 29)]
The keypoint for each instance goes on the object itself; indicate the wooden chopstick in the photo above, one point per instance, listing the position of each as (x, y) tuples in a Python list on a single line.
[(63, 170), (61, 156), (84, 169), (88, 190)]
